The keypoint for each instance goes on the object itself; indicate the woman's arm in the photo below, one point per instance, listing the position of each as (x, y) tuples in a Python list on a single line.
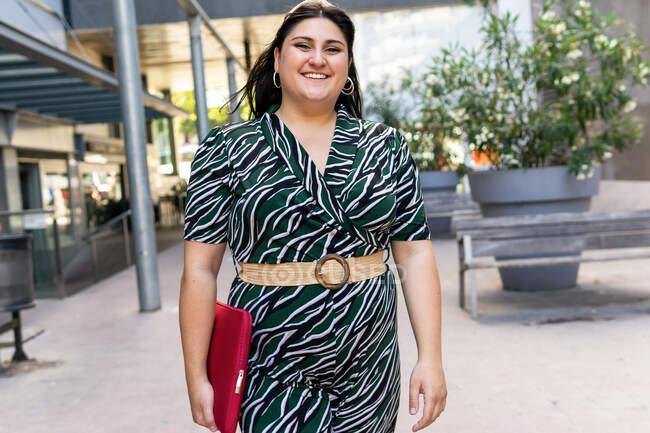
[(196, 317), (418, 272)]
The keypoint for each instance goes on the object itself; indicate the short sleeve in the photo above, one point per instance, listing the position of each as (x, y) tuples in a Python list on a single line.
[(209, 198), (411, 221)]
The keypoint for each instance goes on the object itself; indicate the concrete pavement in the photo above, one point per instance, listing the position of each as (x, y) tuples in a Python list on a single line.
[(104, 367)]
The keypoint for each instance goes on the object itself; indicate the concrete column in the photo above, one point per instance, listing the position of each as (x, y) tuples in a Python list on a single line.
[(232, 86), (10, 197), (144, 236), (202, 122)]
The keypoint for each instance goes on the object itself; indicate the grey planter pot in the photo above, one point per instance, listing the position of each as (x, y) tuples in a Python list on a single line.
[(534, 191), (437, 181)]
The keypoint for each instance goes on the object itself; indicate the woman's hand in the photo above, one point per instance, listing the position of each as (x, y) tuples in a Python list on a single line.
[(202, 402), (427, 379), (196, 318)]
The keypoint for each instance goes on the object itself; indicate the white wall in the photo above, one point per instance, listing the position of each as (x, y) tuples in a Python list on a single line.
[(522, 8), (30, 134), (387, 40)]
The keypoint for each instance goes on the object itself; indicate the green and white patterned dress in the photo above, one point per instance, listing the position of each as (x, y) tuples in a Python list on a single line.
[(320, 360)]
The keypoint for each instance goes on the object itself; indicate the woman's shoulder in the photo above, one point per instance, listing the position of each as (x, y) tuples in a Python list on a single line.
[(235, 131), (222, 138), (375, 129)]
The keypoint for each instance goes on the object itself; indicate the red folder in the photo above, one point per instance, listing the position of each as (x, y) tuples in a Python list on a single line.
[(228, 363)]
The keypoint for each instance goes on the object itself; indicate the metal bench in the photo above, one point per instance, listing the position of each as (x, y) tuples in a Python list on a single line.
[(16, 285), (481, 239)]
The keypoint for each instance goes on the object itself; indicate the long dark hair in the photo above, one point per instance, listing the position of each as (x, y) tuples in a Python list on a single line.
[(260, 91)]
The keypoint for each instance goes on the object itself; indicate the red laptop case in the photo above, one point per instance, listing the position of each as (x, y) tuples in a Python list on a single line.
[(228, 362)]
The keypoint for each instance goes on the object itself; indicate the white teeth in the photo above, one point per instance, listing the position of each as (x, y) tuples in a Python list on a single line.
[(315, 76)]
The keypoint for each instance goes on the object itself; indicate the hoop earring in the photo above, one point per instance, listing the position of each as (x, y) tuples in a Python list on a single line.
[(348, 91), (274, 74)]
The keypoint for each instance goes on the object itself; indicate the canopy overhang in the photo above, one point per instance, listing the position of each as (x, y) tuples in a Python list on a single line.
[(38, 78)]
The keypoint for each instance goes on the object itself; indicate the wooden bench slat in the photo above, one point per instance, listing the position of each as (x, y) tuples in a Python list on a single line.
[(566, 218), (449, 209), (448, 203), (429, 192), (559, 244), (566, 233), (452, 214), (487, 263), (447, 199), (555, 230)]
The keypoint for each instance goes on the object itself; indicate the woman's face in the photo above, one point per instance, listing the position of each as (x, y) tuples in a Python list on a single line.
[(315, 45)]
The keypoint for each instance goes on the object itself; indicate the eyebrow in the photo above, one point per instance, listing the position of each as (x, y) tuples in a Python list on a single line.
[(312, 39)]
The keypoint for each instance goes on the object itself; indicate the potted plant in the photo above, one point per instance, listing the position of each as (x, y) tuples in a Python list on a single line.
[(439, 158), (546, 114), (437, 155)]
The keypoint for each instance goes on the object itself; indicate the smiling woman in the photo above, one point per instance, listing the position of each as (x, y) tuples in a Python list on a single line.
[(312, 69), (308, 179), (314, 38)]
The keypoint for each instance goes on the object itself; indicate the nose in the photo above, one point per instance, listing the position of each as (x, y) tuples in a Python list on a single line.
[(317, 58)]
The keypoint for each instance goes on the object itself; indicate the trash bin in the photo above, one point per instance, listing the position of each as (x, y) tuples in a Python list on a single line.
[(17, 282)]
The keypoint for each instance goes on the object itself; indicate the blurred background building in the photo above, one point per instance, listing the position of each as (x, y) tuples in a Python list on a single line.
[(64, 153)]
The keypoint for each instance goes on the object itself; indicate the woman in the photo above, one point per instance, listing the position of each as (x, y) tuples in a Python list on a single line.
[(307, 177)]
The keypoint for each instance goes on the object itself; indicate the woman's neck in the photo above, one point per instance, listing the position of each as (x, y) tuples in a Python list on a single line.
[(316, 116)]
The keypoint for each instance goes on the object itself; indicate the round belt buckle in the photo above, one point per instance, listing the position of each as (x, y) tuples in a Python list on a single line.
[(319, 274)]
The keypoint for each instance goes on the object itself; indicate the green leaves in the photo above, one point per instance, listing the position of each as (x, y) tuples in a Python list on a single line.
[(563, 99)]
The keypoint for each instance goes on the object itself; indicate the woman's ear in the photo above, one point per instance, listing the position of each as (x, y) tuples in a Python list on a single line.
[(276, 54)]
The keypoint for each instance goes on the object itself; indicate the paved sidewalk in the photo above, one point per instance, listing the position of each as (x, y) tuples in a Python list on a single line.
[(104, 367)]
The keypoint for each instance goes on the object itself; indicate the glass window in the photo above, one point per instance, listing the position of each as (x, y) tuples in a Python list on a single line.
[(163, 146), (102, 193)]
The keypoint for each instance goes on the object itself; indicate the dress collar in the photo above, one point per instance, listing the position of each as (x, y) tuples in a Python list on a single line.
[(341, 110), (324, 188)]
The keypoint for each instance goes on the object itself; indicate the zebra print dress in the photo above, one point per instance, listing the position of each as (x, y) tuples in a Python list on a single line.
[(320, 360)]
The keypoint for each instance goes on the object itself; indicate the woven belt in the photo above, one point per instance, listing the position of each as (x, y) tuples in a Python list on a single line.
[(330, 271)]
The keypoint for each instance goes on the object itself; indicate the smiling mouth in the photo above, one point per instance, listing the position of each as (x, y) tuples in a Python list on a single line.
[(321, 77)]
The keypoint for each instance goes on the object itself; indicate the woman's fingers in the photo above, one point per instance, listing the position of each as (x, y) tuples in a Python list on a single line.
[(202, 402), (414, 396), (434, 391), (208, 417), (205, 418), (429, 406)]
